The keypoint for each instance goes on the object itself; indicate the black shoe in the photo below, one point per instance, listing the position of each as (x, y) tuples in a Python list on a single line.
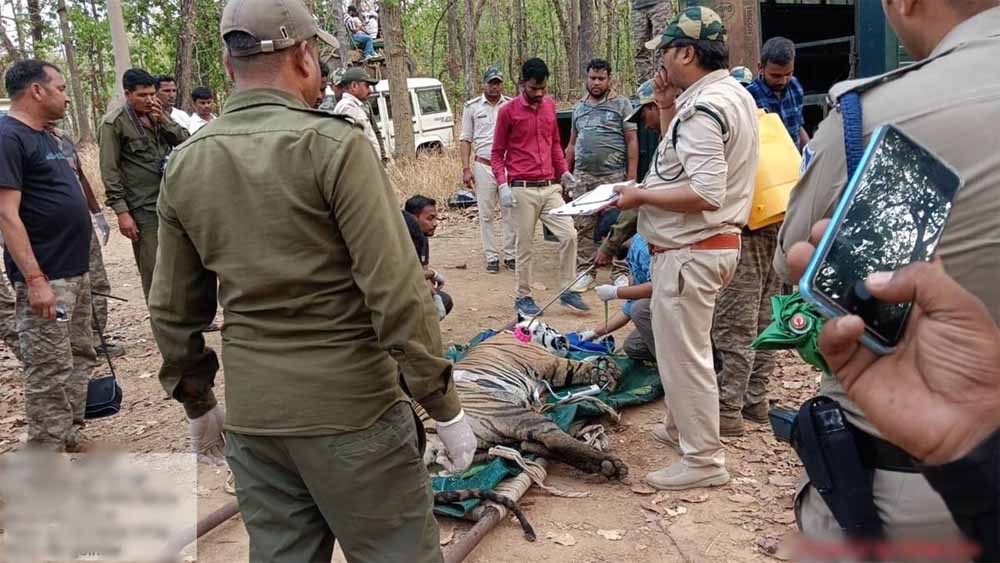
[(572, 300), (493, 267), (511, 264), (110, 350)]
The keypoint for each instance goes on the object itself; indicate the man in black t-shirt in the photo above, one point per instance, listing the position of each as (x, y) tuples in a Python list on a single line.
[(418, 233), (47, 230)]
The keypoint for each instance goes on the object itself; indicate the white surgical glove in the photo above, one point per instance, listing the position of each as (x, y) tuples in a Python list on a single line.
[(438, 279), (569, 181), (206, 436), (587, 335), (459, 442), (607, 292), (439, 305), (507, 196), (102, 227)]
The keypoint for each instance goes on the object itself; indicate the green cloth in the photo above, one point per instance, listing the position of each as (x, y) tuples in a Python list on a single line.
[(132, 156), (283, 215), (640, 383), (787, 312)]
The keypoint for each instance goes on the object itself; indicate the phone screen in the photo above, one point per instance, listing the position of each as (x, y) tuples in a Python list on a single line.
[(895, 217)]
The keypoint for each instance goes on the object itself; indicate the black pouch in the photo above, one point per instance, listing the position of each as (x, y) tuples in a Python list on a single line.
[(104, 397)]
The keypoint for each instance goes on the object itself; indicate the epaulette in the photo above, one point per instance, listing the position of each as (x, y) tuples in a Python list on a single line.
[(114, 114)]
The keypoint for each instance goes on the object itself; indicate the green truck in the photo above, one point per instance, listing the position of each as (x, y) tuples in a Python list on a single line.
[(835, 40)]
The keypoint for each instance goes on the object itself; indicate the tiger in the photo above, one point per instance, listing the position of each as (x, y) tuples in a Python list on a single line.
[(496, 382), (459, 495)]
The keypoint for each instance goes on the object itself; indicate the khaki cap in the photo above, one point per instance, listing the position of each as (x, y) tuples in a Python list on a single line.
[(277, 24)]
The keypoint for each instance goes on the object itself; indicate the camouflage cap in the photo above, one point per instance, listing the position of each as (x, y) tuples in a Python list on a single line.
[(742, 74), (337, 76), (493, 73), (645, 95), (355, 74), (696, 22)]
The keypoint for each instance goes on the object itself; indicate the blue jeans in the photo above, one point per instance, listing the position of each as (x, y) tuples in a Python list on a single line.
[(365, 42)]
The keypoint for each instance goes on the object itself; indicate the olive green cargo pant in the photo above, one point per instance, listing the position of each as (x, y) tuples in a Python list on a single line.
[(368, 489), (144, 249)]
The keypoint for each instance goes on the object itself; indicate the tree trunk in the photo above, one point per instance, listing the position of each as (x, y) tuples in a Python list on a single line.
[(453, 59), (8, 45), (17, 7), (185, 47), (119, 45), (37, 27), (567, 30), (586, 44), (395, 49), (82, 122), (341, 33), (520, 32), (470, 56)]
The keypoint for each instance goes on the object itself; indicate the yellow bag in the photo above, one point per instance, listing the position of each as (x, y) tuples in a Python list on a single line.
[(777, 172)]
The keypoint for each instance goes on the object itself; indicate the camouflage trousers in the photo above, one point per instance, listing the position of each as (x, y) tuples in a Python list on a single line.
[(646, 24), (586, 225), (742, 311), (98, 283), (8, 329), (58, 359)]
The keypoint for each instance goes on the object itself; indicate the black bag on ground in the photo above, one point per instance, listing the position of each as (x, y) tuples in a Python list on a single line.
[(104, 395)]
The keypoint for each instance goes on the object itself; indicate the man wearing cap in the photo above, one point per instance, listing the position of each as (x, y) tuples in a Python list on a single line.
[(951, 43), (692, 207), (475, 144), (742, 74), (326, 309), (648, 18), (357, 89), (529, 165), (603, 148)]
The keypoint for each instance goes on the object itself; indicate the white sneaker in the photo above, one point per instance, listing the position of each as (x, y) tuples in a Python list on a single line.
[(621, 280), (582, 284)]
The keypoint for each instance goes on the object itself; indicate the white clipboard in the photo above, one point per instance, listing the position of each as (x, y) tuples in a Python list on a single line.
[(601, 197)]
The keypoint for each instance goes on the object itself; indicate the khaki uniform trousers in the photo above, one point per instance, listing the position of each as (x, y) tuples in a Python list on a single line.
[(533, 205), (487, 199), (908, 506), (686, 284), (368, 490)]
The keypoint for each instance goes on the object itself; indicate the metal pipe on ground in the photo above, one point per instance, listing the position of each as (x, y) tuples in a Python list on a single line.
[(488, 515), (177, 544)]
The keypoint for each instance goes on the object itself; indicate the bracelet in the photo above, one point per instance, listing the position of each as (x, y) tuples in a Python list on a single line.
[(33, 277)]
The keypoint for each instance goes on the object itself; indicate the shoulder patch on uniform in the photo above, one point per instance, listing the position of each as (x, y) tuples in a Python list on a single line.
[(112, 115), (470, 102)]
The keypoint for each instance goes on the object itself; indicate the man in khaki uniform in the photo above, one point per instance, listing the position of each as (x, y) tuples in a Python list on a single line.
[(957, 123), (479, 119), (354, 103), (326, 311), (135, 141), (692, 206)]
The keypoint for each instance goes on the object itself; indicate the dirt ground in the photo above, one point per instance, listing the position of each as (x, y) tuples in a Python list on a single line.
[(741, 521)]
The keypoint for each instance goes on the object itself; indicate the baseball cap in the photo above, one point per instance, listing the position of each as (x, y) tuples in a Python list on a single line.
[(276, 24), (493, 73), (742, 74), (336, 76), (645, 95), (355, 74), (696, 22)]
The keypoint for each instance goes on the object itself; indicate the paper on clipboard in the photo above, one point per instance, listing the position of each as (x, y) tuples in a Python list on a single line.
[(595, 200)]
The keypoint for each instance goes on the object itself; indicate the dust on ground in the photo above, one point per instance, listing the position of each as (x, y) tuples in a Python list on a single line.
[(619, 521)]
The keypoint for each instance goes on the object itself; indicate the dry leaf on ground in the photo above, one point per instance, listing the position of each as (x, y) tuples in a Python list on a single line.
[(562, 539), (742, 498), (611, 535)]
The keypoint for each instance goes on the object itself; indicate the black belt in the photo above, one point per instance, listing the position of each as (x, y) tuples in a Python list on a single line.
[(525, 184), (876, 453)]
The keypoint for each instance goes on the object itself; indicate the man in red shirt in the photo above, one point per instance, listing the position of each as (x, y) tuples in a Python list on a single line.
[(527, 158)]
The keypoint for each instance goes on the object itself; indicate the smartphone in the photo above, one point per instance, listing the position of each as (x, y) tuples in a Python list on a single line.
[(892, 213)]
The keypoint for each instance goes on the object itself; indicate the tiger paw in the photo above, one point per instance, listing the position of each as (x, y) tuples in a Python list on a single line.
[(613, 468)]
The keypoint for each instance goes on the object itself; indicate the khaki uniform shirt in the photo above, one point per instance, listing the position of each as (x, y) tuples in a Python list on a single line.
[(958, 123), (479, 119), (719, 166), (354, 108), (287, 209), (132, 158)]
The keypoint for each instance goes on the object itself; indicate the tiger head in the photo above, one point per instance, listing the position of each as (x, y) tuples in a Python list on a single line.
[(604, 371)]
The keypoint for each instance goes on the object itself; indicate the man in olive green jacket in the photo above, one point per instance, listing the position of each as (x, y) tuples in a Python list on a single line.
[(135, 140), (288, 210)]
